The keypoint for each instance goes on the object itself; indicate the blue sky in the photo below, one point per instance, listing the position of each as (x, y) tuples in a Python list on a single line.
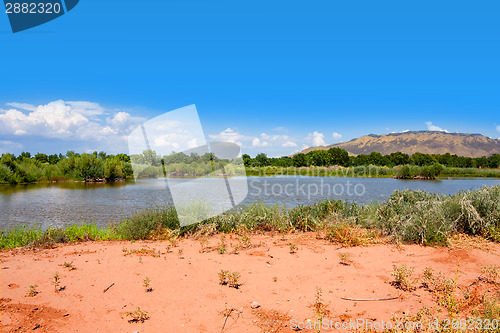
[(273, 76)]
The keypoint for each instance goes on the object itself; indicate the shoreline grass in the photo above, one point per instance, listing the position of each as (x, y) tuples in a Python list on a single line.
[(406, 216)]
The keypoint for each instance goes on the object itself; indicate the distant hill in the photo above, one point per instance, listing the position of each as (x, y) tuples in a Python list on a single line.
[(427, 142)]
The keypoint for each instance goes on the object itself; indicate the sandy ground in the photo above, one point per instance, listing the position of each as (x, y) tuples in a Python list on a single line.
[(186, 295)]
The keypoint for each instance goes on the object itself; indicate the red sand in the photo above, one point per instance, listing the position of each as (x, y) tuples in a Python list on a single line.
[(187, 296)]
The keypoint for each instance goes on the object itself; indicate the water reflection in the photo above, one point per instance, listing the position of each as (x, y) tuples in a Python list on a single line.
[(61, 204)]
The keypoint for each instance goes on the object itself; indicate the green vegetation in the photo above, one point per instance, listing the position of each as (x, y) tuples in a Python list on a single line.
[(409, 216), (26, 168), (340, 157), (85, 167), (337, 162)]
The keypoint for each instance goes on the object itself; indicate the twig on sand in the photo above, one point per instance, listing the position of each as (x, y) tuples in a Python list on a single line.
[(111, 285), (369, 299), (227, 315)]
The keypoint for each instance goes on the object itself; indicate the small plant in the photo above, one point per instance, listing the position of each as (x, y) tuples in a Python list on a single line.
[(490, 273), (403, 278), (229, 278), (180, 254), (236, 248), (244, 238), (142, 252), (320, 309), (221, 248), (137, 315), (491, 308), (32, 292), (203, 244), (147, 283), (293, 248), (68, 265), (275, 279), (140, 260), (345, 258), (56, 281), (223, 277), (233, 279)]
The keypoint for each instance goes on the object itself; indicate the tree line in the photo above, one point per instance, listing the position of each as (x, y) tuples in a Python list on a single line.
[(99, 166), (339, 156)]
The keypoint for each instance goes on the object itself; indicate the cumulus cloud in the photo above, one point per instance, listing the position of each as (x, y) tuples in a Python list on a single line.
[(431, 127), (289, 144), (61, 120), (229, 135), (256, 142), (336, 136), (317, 139)]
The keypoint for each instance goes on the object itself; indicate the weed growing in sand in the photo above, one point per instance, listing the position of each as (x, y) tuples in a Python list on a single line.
[(223, 277), (137, 315), (403, 278), (236, 248), (233, 279), (56, 282), (32, 292), (293, 248), (320, 308), (437, 282), (243, 237), (68, 265), (444, 289), (203, 244), (229, 278), (147, 284), (350, 235), (275, 279), (221, 248), (345, 258), (490, 273), (140, 260), (491, 308), (180, 254), (142, 252)]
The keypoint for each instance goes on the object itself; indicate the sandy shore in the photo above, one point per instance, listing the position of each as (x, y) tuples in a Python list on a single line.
[(186, 295)]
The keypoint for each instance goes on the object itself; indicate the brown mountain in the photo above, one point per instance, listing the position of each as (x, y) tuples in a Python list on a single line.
[(427, 142)]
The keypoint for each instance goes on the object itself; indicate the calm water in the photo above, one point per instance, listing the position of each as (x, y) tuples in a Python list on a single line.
[(69, 203)]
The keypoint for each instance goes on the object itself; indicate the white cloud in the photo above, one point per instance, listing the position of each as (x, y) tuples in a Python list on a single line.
[(24, 106), (289, 144), (9, 146), (88, 109), (336, 136), (498, 128), (431, 127), (55, 119), (280, 129), (318, 139), (77, 120), (257, 143), (229, 135), (193, 143)]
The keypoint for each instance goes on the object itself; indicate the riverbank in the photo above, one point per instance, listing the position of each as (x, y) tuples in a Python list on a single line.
[(261, 283), (407, 216), (402, 172)]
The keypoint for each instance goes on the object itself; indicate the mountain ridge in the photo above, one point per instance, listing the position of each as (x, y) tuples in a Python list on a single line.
[(426, 142)]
